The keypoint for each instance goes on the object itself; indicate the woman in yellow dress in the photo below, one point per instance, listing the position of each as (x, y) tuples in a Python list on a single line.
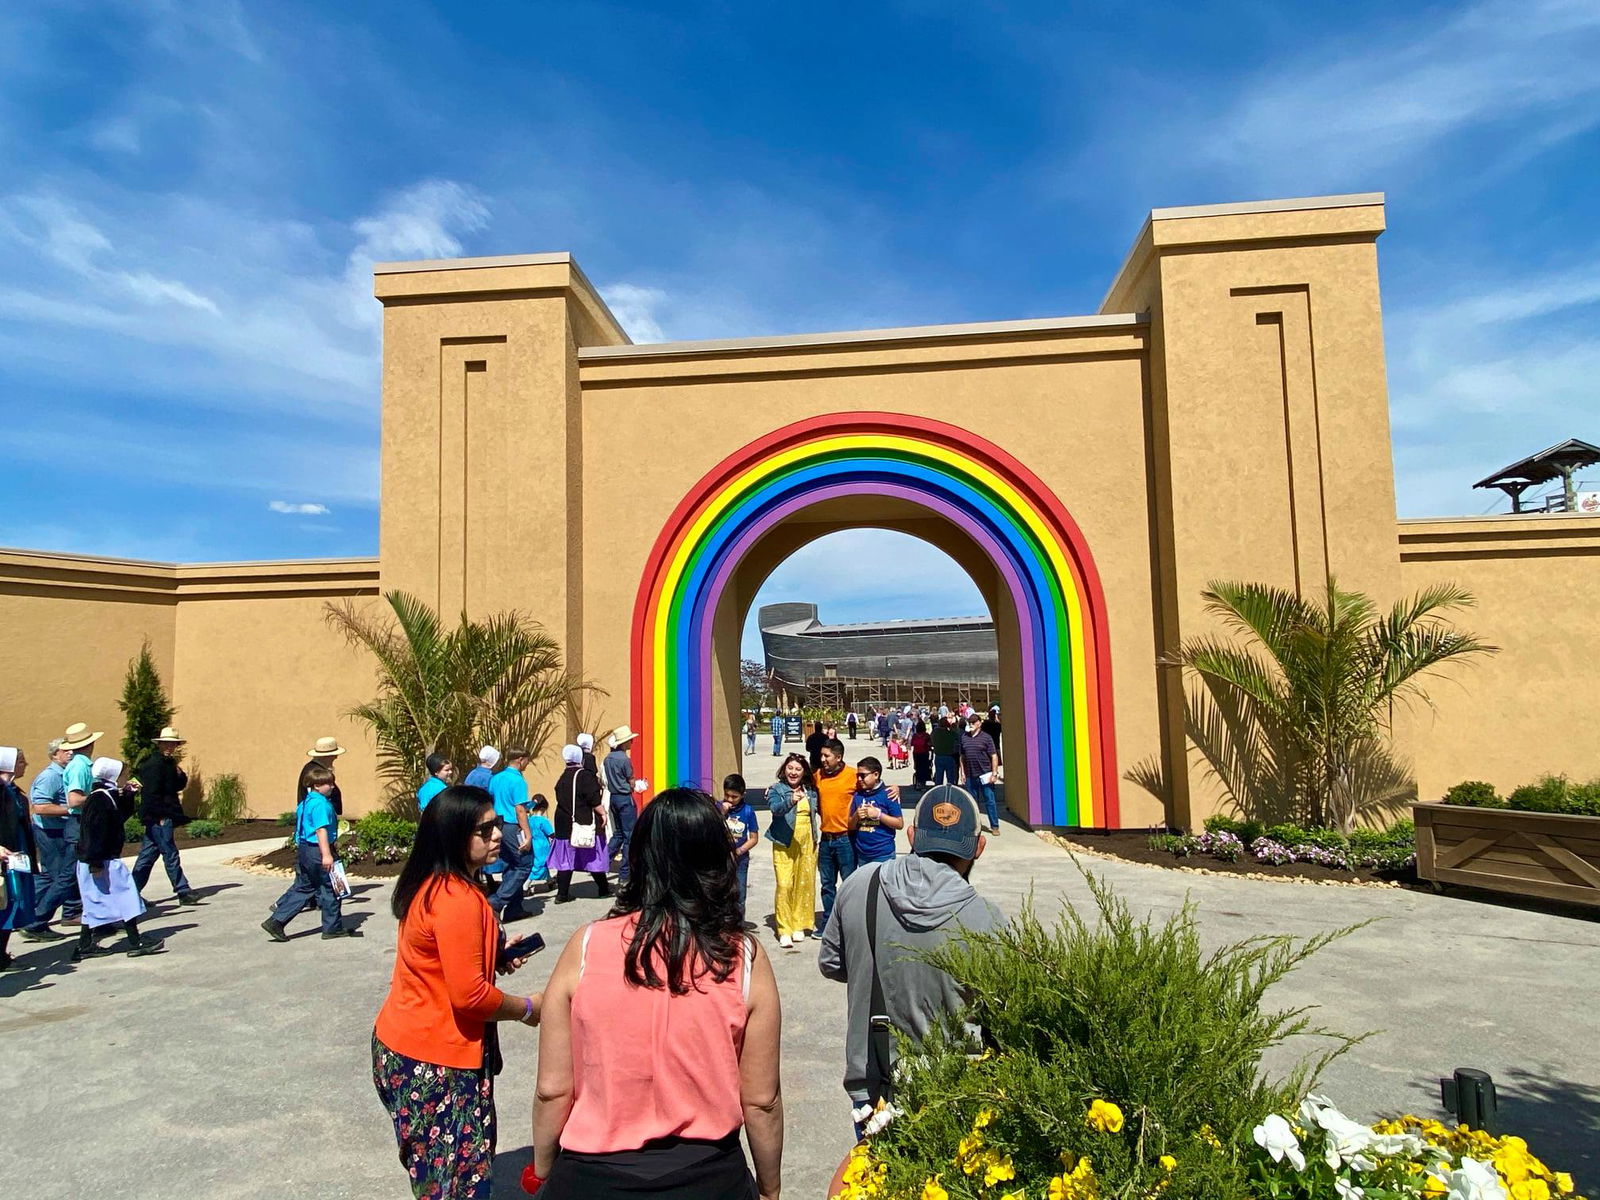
[(792, 805)]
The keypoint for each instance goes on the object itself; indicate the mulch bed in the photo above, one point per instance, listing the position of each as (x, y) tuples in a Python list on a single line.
[(244, 831), (282, 859), (1133, 845)]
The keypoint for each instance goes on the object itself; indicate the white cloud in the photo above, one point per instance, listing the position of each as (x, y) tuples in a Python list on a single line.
[(636, 308), (305, 510)]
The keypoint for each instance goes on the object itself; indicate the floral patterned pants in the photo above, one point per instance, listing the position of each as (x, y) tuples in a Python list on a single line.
[(443, 1121)]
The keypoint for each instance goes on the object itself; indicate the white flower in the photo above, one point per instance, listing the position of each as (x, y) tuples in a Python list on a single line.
[(880, 1119), (1275, 1137), (1474, 1180), (1346, 1189), (1345, 1141), (1311, 1106)]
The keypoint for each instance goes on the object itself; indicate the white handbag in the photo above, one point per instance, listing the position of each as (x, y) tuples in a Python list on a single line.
[(583, 836)]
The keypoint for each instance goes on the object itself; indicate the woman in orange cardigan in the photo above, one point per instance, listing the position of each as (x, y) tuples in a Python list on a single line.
[(435, 1051)]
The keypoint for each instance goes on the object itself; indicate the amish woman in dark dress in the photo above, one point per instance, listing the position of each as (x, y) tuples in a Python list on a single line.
[(578, 804), (16, 839)]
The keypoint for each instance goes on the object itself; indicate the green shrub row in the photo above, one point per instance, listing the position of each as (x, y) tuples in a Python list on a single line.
[(379, 836), (1551, 794), (1402, 834)]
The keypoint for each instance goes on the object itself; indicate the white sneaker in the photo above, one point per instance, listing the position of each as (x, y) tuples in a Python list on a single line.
[(802, 935), (786, 942)]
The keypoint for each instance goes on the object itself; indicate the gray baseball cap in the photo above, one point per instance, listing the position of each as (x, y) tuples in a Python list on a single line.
[(947, 822)]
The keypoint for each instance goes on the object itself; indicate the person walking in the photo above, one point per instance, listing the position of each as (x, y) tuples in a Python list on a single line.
[(980, 760), (750, 734), (743, 833), (161, 784), (316, 834), (585, 742), (921, 754), (850, 724), (887, 916), (481, 774), (836, 857), (110, 896), (660, 1033), (874, 815), (992, 726), (322, 753), (78, 780), (580, 842), (435, 1049), (509, 791), (55, 827), (777, 734), (441, 772), (944, 741), (18, 852), (621, 787), (792, 828), (815, 740)]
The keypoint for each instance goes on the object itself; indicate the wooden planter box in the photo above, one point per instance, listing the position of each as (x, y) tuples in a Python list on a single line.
[(1544, 855)]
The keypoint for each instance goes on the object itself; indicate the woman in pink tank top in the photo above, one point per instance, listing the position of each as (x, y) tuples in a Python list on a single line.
[(659, 1033)]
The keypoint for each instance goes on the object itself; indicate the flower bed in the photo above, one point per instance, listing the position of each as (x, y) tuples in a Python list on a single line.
[(1118, 1060), (1228, 840)]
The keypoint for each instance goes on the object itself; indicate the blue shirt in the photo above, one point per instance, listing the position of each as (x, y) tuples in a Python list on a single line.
[(874, 843), (80, 775), (509, 791), (746, 817), (49, 787), (479, 776), (430, 788), (316, 812)]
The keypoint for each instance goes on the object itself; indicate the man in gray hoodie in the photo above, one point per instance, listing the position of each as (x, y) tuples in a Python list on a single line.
[(923, 900)]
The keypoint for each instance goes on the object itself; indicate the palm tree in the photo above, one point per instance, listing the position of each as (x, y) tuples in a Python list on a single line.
[(1297, 721), (499, 680)]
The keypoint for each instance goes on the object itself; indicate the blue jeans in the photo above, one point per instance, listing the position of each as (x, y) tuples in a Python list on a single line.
[(518, 866), (777, 744), (623, 815), (983, 793), (836, 862), (58, 873), (944, 769), (159, 843), (310, 880), (750, 742), (742, 863)]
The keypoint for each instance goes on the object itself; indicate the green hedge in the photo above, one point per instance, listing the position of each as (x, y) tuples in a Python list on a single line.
[(1550, 794)]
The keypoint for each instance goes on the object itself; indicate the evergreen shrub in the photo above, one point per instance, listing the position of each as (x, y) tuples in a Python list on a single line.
[(225, 800), (205, 829), (145, 708), (1474, 793)]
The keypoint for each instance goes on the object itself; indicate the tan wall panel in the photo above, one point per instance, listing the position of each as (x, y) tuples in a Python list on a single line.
[(1529, 709)]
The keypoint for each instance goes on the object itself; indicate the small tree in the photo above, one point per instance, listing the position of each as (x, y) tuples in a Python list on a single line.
[(754, 686), (499, 680), (145, 708)]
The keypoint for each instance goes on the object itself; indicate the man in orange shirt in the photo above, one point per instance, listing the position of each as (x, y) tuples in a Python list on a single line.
[(836, 857)]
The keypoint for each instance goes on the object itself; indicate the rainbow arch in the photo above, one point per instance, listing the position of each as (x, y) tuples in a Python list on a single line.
[(1017, 521)]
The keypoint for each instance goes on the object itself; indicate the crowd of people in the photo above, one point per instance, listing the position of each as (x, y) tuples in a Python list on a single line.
[(659, 1025)]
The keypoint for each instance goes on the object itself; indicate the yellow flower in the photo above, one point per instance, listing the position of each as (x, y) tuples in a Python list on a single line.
[(1058, 1189), (932, 1190), (984, 1118), (1019, 1194), (1434, 1187), (1530, 1189), (1209, 1137), (1104, 1116), (1563, 1183), (997, 1169), (1167, 1162)]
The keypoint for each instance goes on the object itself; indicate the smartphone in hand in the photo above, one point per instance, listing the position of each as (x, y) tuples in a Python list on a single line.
[(511, 951)]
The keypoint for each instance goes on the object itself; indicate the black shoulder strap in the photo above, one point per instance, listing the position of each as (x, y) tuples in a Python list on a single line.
[(880, 1031), (874, 890)]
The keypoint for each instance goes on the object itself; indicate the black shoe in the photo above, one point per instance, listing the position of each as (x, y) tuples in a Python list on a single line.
[(562, 900), (343, 931), (509, 914), (146, 947), (188, 899), (274, 930), (79, 953), (43, 934)]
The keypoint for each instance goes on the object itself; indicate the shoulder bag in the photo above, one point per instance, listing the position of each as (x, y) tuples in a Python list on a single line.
[(880, 1031)]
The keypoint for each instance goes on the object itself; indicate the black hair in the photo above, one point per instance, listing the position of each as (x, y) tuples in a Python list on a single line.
[(437, 762), (444, 836), (835, 745), (684, 887), (807, 779), (538, 803), (735, 783), (869, 763)]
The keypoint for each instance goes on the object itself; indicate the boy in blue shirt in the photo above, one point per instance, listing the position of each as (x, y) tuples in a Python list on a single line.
[(440, 772), (742, 832), (316, 829), (509, 791), (874, 815)]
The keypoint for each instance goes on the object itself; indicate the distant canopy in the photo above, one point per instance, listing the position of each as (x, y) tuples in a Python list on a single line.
[(1558, 462)]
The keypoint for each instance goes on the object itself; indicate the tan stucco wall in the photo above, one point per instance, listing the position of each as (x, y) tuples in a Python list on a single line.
[(1530, 708), (1225, 417)]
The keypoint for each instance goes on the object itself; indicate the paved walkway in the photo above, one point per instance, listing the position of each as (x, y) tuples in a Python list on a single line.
[(233, 1067)]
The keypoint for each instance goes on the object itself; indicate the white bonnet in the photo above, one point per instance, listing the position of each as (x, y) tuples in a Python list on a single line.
[(107, 769), (8, 758), (571, 754), (488, 756), (585, 741)]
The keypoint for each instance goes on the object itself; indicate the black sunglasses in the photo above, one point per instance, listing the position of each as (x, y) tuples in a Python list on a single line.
[(486, 830)]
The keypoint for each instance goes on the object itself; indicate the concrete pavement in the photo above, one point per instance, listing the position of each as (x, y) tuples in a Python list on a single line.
[(231, 1067)]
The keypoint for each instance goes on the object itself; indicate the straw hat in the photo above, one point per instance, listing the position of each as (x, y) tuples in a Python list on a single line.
[(620, 737), (169, 734), (325, 748), (78, 736)]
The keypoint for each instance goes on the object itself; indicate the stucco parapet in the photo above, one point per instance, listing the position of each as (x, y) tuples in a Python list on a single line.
[(1501, 536), (1353, 217), (169, 582), (864, 351), (506, 276)]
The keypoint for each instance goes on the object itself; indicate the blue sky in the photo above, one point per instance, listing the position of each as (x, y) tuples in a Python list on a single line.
[(193, 194)]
